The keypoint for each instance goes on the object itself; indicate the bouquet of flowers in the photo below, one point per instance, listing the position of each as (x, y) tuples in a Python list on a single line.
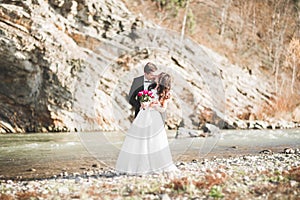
[(145, 97)]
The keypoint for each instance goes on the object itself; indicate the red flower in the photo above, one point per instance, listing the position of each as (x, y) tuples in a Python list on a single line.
[(140, 94), (145, 91)]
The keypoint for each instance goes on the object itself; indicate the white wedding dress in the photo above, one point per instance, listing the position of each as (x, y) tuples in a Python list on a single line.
[(146, 149)]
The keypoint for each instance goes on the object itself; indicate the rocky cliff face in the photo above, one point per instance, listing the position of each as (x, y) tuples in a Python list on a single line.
[(68, 65)]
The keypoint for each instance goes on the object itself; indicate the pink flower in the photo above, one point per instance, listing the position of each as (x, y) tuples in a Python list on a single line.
[(145, 91), (150, 93), (140, 94), (152, 96)]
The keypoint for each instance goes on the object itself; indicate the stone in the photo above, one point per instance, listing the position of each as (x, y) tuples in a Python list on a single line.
[(63, 190), (210, 128), (44, 130), (95, 165), (289, 151), (266, 151), (78, 179), (293, 183), (165, 197)]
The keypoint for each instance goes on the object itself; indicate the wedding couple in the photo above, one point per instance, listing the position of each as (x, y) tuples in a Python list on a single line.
[(145, 149)]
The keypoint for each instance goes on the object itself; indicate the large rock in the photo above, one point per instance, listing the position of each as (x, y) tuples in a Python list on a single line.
[(68, 65), (296, 114), (49, 71)]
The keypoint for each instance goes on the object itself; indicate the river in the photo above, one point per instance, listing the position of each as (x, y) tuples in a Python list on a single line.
[(40, 155)]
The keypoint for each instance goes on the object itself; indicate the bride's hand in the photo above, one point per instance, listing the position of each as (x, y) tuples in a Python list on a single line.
[(154, 103), (143, 106)]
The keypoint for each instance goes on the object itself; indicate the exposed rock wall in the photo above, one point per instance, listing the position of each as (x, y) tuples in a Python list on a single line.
[(47, 58), (68, 65)]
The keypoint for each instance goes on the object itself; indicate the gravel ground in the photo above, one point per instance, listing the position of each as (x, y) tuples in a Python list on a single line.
[(264, 176)]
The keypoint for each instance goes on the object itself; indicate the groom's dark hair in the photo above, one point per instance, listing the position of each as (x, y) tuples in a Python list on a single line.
[(149, 67)]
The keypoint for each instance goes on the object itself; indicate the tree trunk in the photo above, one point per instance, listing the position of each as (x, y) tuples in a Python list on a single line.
[(184, 20)]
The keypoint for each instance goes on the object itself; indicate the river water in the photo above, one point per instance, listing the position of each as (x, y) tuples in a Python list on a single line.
[(40, 155)]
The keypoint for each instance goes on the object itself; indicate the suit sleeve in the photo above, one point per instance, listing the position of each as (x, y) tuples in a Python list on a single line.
[(133, 93)]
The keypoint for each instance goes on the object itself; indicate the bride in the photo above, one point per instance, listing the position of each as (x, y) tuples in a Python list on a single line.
[(146, 149)]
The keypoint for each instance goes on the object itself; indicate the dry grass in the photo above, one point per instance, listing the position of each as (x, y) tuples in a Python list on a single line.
[(28, 195), (274, 191), (178, 184), (6, 197), (293, 174), (282, 106), (207, 182), (211, 180), (286, 103), (278, 187)]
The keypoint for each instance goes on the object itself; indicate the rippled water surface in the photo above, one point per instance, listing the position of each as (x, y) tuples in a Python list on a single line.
[(43, 155)]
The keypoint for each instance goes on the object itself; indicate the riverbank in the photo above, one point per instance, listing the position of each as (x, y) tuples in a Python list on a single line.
[(262, 176)]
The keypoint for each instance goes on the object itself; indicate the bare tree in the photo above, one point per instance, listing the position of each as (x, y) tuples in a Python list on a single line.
[(276, 34), (185, 19), (293, 59), (224, 16)]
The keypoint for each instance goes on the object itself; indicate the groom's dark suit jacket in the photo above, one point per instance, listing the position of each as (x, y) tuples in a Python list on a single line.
[(136, 87)]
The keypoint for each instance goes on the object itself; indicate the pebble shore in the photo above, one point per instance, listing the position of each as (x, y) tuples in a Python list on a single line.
[(263, 176)]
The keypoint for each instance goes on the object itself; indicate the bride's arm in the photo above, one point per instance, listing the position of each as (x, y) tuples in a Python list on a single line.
[(159, 107)]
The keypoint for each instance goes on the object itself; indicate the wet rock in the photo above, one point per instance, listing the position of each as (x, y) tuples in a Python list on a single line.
[(257, 124), (95, 165), (44, 130), (266, 151), (76, 174), (78, 179), (6, 127), (240, 124), (289, 151), (210, 128)]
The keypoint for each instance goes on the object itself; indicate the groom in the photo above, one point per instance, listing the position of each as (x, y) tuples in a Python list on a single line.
[(141, 83)]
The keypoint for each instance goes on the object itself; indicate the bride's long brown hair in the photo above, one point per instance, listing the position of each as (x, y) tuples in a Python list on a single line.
[(164, 87)]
